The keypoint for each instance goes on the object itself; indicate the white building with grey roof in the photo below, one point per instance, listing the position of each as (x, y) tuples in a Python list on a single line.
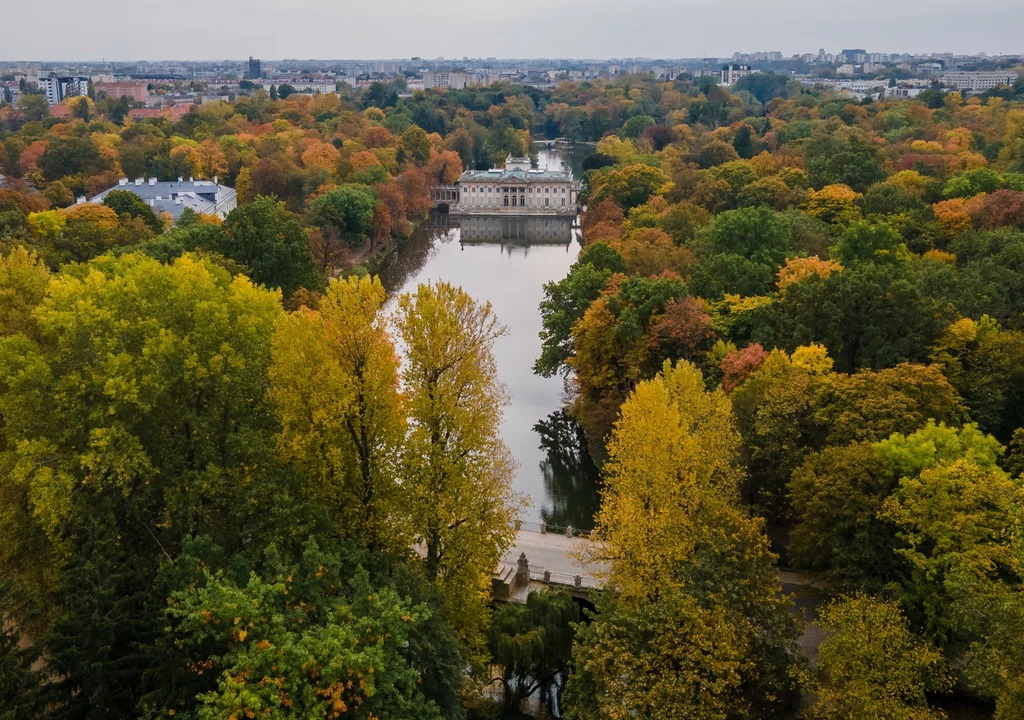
[(207, 197), (516, 189)]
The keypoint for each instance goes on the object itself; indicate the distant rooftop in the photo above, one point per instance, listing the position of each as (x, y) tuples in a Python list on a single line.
[(208, 197)]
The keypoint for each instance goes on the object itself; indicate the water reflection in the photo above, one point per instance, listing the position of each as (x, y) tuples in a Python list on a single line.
[(570, 476)]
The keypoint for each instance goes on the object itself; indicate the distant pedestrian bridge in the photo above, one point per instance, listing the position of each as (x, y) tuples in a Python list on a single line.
[(545, 557)]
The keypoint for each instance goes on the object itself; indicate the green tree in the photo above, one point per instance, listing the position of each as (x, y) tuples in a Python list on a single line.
[(269, 240), (565, 302), (871, 664), (838, 496), (416, 144), (532, 643), (348, 211), (836, 154), (984, 363), (154, 379), (311, 638), (868, 242), (128, 203), (22, 692)]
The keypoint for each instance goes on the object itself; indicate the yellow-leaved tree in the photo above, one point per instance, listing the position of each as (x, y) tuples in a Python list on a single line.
[(674, 445), (336, 394), (457, 471), (693, 624)]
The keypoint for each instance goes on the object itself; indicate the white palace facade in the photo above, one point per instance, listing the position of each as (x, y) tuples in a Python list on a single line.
[(515, 189)]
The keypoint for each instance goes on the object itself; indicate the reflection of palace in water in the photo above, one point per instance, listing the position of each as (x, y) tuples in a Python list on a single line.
[(474, 229), (490, 229)]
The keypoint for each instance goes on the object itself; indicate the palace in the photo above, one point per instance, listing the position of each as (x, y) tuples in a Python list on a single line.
[(516, 189)]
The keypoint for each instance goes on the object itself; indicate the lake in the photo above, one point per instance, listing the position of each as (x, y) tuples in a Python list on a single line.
[(507, 261)]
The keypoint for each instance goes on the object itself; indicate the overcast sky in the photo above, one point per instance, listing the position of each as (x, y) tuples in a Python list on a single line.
[(275, 29)]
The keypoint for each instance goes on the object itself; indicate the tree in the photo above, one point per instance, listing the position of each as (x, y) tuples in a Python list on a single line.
[(871, 664), (22, 693), (954, 518), (868, 242), (124, 202), (774, 409), (674, 443), (416, 145), (684, 561), (683, 221), (269, 240), (716, 153), (837, 154), (314, 638), (154, 379), (743, 143), (984, 363), (34, 107), (874, 405), (611, 348), (629, 186), (244, 187), (335, 389), (23, 282), (565, 302), (532, 643), (630, 662), (348, 211), (458, 471)]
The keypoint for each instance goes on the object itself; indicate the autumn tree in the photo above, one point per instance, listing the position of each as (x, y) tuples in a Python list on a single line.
[(154, 379), (458, 472), (316, 635), (872, 665), (565, 302), (335, 389), (693, 624)]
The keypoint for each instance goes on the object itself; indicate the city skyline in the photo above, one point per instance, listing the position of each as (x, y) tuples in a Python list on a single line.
[(572, 29)]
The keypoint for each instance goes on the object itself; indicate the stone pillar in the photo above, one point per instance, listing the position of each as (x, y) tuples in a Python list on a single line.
[(523, 571)]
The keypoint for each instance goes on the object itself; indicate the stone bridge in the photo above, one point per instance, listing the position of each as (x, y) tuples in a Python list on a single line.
[(446, 195), (539, 559)]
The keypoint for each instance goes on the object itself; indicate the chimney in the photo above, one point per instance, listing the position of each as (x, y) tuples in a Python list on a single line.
[(138, 181), (180, 179), (151, 202), (152, 181), (122, 181), (215, 181), (80, 200), (177, 200), (191, 179)]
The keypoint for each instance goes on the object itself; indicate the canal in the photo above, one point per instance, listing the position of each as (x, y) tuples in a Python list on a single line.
[(507, 262)]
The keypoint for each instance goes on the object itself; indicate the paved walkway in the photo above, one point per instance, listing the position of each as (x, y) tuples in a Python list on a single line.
[(552, 552)]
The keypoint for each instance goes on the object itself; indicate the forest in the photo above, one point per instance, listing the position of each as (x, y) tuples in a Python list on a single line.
[(793, 338)]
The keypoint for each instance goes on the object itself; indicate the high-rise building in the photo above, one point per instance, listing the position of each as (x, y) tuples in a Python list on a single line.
[(58, 89), (732, 73), (255, 68)]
